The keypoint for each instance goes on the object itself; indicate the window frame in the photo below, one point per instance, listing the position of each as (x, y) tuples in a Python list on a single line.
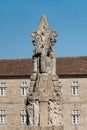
[(75, 88), (2, 116), (24, 91), (3, 87), (23, 116), (75, 116), (2, 91), (24, 88)]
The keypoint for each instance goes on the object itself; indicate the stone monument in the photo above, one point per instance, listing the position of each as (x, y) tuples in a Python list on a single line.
[(44, 101)]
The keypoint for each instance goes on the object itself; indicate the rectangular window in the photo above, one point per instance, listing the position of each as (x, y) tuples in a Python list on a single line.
[(2, 116), (75, 88), (23, 119), (2, 91), (23, 116), (24, 91), (75, 119), (75, 116), (2, 88), (2, 119), (24, 88)]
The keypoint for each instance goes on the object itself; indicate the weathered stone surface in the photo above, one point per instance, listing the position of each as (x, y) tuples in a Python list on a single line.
[(54, 77), (33, 77), (33, 112), (44, 97)]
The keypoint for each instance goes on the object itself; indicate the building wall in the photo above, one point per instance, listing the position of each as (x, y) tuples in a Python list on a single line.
[(13, 103), (71, 102)]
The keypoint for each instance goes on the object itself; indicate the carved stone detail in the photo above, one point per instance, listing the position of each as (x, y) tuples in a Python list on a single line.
[(55, 116), (43, 52), (46, 111), (36, 113), (30, 112), (33, 112)]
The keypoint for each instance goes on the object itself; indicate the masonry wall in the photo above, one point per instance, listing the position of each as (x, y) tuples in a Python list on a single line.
[(13, 103), (71, 102)]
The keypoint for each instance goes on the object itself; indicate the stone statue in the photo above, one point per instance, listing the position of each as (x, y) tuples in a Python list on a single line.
[(33, 112), (36, 113), (53, 62), (54, 113), (51, 113), (37, 42), (53, 34), (35, 64), (30, 112)]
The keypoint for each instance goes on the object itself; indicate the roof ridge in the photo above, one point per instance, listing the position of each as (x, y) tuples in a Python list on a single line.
[(31, 58), (15, 59)]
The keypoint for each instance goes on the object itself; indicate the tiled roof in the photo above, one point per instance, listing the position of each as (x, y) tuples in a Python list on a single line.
[(16, 67), (72, 65), (24, 67)]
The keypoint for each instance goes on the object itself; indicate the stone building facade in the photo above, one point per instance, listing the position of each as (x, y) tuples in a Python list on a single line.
[(17, 100)]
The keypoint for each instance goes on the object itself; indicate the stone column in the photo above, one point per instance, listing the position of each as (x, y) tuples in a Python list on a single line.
[(43, 113)]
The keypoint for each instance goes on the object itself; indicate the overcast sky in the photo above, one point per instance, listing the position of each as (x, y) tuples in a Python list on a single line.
[(19, 17)]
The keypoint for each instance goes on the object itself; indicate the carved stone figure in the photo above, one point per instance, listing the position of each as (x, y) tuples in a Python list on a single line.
[(54, 113), (33, 112), (53, 34), (30, 112), (37, 42), (35, 64), (36, 113), (53, 62), (51, 113)]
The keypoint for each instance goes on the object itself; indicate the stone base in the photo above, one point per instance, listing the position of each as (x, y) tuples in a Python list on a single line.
[(45, 128), (32, 128)]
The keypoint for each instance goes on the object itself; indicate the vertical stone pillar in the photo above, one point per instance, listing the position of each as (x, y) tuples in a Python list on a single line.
[(43, 113)]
